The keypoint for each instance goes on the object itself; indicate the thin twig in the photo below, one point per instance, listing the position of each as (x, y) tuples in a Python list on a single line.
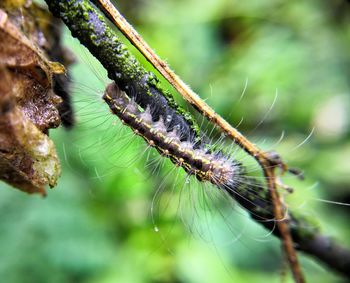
[(263, 158), (283, 226)]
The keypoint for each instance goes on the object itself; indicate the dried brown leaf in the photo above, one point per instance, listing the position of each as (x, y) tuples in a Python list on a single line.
[(28, 109)]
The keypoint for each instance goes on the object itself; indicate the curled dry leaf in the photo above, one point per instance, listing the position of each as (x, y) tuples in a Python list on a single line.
[(28, 109)]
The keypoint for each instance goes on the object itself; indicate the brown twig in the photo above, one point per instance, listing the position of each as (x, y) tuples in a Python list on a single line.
[(283, 227), (267, 163)]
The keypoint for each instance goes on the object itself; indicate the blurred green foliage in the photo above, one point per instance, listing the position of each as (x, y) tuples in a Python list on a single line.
[(115, 217)]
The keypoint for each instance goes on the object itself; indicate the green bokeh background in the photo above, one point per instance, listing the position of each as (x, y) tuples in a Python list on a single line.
[(115, 217)]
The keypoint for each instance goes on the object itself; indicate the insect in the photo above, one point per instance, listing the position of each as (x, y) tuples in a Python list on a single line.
[(194, 157), (197, 158)]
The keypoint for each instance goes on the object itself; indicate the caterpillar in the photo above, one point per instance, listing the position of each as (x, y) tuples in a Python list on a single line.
[(196, 157)]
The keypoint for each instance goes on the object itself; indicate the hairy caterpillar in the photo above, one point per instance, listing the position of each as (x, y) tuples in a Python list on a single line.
[(195, 157)]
